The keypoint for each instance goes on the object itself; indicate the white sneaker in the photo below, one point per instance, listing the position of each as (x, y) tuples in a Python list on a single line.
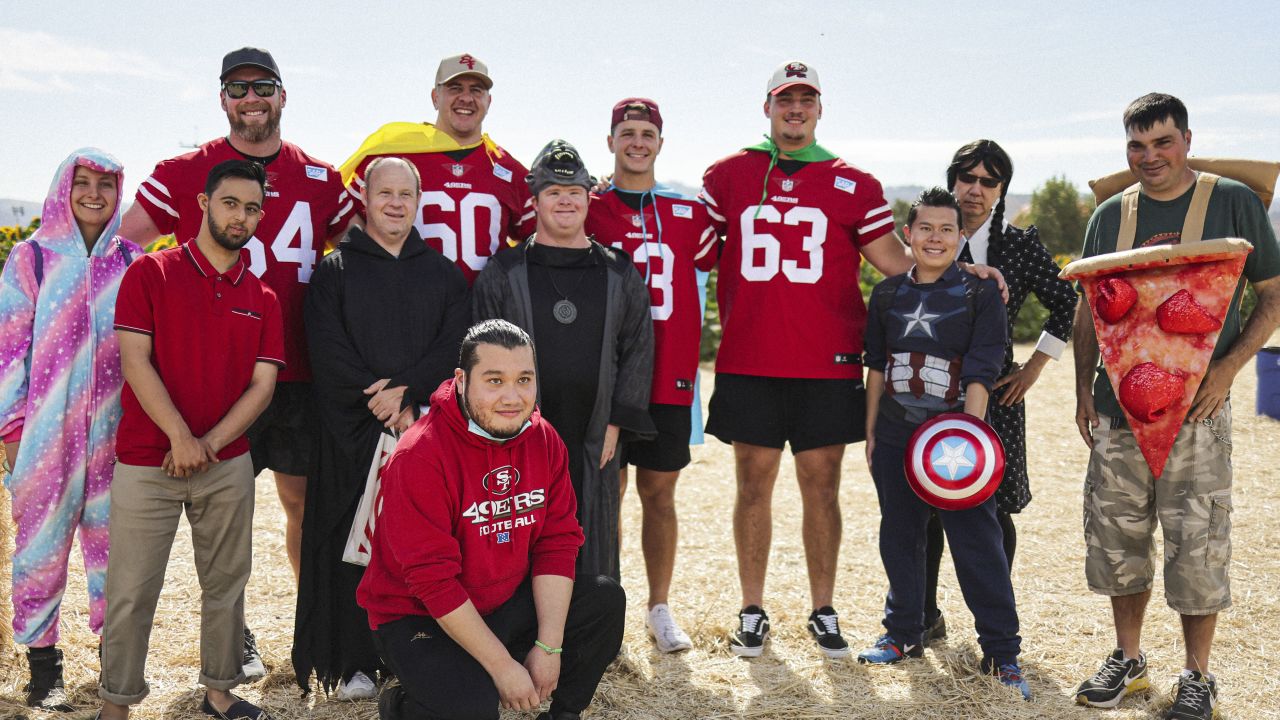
[(664, 631), (359, 687)]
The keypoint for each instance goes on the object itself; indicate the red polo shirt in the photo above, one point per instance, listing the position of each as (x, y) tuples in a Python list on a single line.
[(208, 330)]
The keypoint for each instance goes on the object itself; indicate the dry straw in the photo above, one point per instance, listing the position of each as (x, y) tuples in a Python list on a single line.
[(1066, 629)]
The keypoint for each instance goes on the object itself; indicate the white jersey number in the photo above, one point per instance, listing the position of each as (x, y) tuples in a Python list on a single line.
[(475, 251), (302, 253), (661, 278), (762, 253)]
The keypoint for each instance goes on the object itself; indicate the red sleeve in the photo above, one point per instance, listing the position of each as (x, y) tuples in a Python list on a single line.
[(711, 196), (417, 525), (14, 436), (271, 344), (555, 552), (875, 217), (156, 196), (135, 309), (355, 188), (708, 252), (344, 207), (523, 220)]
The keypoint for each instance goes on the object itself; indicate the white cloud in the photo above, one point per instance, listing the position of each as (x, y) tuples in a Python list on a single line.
[(38, 62)]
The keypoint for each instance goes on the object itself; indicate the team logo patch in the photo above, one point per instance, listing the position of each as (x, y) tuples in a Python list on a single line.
[(954, 461), (504, 537), (788, 184), (845, 184), (317, 173), (797, 69), (847, 358), (636, 220), (467, 60), (502, 173), (457, 169), (686, 385), (682, 211), (500, 480)]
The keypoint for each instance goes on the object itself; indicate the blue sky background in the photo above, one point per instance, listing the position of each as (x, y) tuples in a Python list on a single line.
[(904, 83)]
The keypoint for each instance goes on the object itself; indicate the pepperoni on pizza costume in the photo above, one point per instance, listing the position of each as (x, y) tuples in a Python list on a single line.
[(1157, 312)]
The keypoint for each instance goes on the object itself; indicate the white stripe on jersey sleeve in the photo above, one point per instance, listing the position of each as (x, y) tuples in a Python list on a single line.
[(882, 209), (152, 181), (342, 213), (710, 204), (526, 216), (142, 190), (864, 229), (706, 242)]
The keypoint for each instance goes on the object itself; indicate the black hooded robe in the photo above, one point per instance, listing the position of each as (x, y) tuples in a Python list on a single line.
[(369, 315)]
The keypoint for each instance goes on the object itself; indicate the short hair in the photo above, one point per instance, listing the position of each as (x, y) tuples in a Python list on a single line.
[(934, 197), (1151, 108), (492, 332), (241, 169), (378, 162)]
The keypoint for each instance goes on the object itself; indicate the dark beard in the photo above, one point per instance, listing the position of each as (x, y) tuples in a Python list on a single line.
[(220, 236), (256, 133), (466, 411)]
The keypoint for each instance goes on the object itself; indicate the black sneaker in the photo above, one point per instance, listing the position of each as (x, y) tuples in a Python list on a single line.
[(753, 628), (241, 709), (824, 626), (45, 691), (934, 631), (253, 667), (1197, 697), (389, 702), (1116, 678)]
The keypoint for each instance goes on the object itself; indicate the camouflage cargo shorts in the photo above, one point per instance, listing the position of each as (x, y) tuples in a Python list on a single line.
[(1191, 501)]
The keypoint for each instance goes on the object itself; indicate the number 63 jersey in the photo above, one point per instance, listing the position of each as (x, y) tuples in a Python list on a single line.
[(305, 204), (790, 305)]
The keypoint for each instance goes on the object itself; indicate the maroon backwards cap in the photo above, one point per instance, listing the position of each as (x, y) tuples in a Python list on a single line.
[(636, 108)]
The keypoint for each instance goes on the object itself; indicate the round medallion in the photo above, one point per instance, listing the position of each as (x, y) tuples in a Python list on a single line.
[(565, 312)]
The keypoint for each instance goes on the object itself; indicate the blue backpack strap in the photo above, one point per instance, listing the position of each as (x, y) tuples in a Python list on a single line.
[(38, 260), (124, 251)]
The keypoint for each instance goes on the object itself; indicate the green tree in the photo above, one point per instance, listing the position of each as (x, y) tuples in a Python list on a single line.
[(1060, 213), (14, 234), (900, 209)]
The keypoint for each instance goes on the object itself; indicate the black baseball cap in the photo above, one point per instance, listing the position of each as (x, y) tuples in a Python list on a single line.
[(250, 57), (558, 164)]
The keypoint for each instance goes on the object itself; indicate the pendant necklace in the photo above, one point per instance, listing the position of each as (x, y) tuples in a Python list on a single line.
[(564, 311)]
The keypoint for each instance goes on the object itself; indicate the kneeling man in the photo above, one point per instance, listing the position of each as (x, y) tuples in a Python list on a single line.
[(470, 589)]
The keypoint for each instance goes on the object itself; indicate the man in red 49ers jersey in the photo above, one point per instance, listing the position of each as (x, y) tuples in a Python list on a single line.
[(474, 195), (306, 205), (668, 238), (796, 220)]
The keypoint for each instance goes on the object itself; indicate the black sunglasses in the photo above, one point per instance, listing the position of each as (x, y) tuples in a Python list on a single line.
[(236, 89), (970, 178)]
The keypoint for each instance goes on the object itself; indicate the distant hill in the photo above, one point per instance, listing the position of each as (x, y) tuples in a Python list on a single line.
[(1014, 202), (18, 212)]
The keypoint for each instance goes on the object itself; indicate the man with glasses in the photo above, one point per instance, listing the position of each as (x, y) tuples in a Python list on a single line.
[(306, 206), (474, 195)]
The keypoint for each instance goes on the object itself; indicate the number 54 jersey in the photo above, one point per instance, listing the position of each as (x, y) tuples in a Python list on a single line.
[(305, 204), (790, 305)]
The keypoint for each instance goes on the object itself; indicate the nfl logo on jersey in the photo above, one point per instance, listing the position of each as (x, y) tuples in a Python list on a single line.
[(635, 220), (788, 184), (504, 537), (457, 169)]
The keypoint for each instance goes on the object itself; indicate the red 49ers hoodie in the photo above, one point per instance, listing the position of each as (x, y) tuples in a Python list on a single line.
[(462, 517)]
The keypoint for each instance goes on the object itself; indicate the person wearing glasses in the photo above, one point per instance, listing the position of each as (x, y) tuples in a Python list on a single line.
[(307, 206), (979, 176)]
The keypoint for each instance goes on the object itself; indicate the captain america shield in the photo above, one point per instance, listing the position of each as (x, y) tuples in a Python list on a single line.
[(954, 461)]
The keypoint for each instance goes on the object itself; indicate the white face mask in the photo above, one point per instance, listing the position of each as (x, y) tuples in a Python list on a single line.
[(474, 427)]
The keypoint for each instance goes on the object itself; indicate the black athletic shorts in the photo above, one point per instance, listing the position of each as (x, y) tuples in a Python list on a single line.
[(285, 435), (771, 412), (669, 451)]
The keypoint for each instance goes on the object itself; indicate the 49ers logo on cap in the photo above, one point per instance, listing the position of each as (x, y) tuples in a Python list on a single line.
[(467, 60), (499, 481), (954, 461), (797, 69)]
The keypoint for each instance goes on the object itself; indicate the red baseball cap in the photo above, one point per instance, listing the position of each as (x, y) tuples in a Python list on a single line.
[(636, 108)]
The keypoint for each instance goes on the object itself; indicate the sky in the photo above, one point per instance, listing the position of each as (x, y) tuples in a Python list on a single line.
[(904, 83)]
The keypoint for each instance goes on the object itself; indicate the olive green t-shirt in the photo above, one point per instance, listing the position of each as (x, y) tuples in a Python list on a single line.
[(1234, 211)]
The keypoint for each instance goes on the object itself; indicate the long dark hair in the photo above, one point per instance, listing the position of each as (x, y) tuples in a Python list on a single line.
[(995, 161)]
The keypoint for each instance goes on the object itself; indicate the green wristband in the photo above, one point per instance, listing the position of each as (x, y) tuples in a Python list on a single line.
[(547, 648)]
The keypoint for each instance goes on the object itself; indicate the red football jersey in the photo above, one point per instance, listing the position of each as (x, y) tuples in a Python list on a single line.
[(469, 207), (790, 305), (305, 205), (667, 259)]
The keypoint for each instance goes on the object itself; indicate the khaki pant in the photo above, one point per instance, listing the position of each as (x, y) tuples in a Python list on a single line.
[(146, 505)]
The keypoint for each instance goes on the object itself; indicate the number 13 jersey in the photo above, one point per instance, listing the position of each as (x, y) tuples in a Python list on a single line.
[(305, 204), (790, 305)]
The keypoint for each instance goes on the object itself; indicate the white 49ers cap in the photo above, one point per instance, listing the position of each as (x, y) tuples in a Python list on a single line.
[(791, 74), (464, 64)]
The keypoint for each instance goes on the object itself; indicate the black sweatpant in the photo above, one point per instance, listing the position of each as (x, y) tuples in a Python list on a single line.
[(441, 681), (934, 545)]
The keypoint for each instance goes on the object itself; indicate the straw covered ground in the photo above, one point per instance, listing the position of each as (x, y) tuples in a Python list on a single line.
[(1066, 629)]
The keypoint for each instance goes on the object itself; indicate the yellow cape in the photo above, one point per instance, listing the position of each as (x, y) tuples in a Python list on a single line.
[(403, 138)]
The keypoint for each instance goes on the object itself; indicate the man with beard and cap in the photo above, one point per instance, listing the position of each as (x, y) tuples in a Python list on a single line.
[(473, 193), (588, 309), (57, 304), (471, 588), (307, 208), (384, 316), (201, 341)]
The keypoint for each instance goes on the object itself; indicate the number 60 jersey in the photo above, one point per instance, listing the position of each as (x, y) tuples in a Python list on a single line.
[(305, 204), (790, 305)]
